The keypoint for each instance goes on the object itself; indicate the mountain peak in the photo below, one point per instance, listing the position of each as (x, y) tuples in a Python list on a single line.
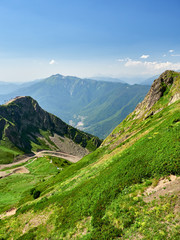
[(164, 91), (25, 125), (159, 88)]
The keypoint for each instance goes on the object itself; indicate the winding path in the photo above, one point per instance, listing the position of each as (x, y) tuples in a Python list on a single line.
[(66, 156)]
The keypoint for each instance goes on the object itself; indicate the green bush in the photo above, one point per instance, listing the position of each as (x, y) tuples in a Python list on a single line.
[(36, 194)]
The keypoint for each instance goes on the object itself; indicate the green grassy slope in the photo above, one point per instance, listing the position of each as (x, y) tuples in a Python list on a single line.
[(103, 195), (13, 187)]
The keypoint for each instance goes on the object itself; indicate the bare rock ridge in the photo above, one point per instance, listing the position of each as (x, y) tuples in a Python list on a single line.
[(158, 88), (164, 91), (22, 122)]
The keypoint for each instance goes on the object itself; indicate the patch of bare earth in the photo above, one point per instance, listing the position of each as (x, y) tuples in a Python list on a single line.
[(21, 170), (169, 186), (8, 213), (35, 221), (67, 145)]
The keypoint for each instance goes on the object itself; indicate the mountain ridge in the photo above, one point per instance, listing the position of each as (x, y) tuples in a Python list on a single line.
[(25, 124), (73, 99), (167, 86), (126, 189)]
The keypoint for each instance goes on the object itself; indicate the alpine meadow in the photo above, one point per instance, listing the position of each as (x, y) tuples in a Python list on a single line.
[(128, 187), (90, 120)]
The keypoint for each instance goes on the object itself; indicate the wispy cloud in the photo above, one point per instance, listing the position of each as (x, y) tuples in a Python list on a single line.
[(171, 50), (144, 56), (145, 67), (153, 66), (131, 63), (123, 59), (52, 62), (175, 55)]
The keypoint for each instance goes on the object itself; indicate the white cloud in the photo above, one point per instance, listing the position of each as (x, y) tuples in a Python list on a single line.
[(123, 59), (80, 124), (120, 60), (151, 67), (171, 50), (52, 62), (144, 56), (164, 55), (131, 63), (175, 55)]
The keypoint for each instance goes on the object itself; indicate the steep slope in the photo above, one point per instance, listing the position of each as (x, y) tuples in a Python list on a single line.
[(26, 127), (126, 189), (164, 91), (84, 103)]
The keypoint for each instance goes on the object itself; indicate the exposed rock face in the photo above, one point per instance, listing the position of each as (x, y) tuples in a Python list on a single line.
[(24, 118), (157, 90), (174, 98)]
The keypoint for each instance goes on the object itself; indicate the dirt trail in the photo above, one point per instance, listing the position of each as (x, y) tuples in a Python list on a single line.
[(14, 99), (66, 156), (7, 173)]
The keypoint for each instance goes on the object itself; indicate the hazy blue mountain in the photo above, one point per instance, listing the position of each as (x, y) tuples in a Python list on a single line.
[(108, 79), (148, 81), (93, 106), (6, 87)]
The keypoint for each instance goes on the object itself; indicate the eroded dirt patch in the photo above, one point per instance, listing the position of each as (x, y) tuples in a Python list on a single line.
[(35, 222), (169, 185), (8, 213)]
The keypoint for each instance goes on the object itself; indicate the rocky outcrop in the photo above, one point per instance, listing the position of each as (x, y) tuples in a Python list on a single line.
[(25, 118), (157, 90), (174, 98)]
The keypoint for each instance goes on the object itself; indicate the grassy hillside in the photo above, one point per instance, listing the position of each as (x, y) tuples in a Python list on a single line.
[(107, 194), (84, 103), (40, 170), (25, 128)]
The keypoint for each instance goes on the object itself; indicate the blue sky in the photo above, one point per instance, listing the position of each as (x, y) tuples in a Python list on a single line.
[(87, 38)]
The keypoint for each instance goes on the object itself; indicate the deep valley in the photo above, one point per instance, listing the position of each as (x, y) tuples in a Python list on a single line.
[(58, 182)]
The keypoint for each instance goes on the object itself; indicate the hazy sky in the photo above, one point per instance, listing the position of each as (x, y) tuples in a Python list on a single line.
[(86, 38)]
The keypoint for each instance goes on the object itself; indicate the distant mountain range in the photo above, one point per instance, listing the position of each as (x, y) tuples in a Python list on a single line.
[(108, 79), (149, 81), (128, 188), (93, 106)]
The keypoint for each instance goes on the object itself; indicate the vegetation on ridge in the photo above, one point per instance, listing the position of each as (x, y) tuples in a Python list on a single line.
[(104, 196), (26, 127), (93, 106)]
